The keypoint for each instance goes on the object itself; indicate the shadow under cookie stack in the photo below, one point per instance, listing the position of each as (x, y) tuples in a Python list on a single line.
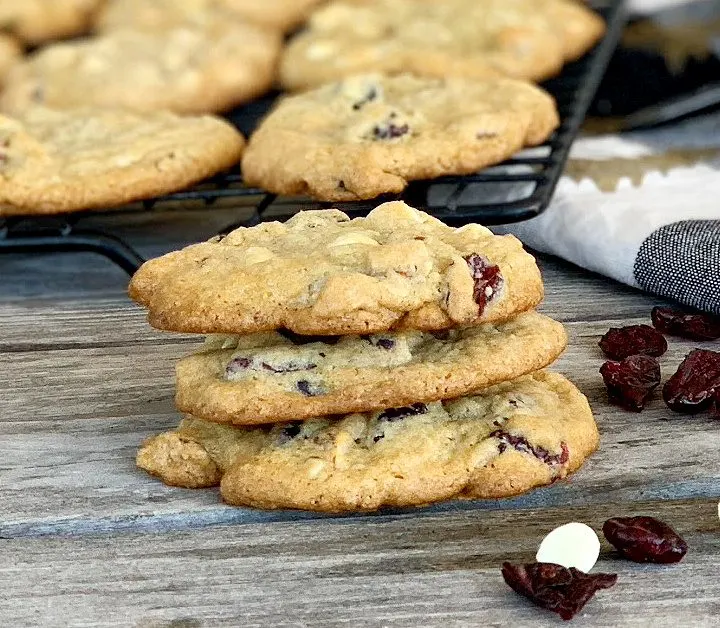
[(350, 365)]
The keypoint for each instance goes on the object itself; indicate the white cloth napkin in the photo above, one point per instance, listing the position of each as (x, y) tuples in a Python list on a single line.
[(646, 212)]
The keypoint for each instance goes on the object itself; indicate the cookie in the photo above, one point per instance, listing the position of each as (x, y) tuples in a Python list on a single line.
[(279, 14), (322, 273), (38, 21), (273, 377), (465, 38), (370, 135), (182, 69), (53, 162), (505, 441)]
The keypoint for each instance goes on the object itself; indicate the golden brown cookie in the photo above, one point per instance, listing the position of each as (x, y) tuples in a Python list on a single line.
[(185, 69), (529, 39), (275, 377), (504, 441), (370, 135), (322, 273), (53, 162), (279, 14), (38, 21)]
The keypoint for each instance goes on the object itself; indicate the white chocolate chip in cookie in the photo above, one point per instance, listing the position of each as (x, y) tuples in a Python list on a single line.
[(353, 238), (257, 255)]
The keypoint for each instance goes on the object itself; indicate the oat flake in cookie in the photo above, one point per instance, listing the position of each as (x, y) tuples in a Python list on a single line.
[(371, 135), (322, 273), (527, 39), (507, 440), (275, 377), (58, 161)]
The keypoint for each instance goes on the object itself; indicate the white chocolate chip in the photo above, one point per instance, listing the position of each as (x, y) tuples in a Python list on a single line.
[(257, 255), (571, 545), (354, 237), (320, 50), (315, 467)]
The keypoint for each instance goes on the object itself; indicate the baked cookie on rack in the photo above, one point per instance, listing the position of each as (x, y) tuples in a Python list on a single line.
[(185, 69), (275, 377), (55, 161), (323, 273), (501, 442), (369, 135), (529, 39), (281, 14)]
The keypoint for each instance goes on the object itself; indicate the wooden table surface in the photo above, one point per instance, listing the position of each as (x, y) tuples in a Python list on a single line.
[(87, 539)]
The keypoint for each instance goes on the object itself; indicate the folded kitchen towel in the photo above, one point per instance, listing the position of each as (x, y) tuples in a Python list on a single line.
[(642, 208)]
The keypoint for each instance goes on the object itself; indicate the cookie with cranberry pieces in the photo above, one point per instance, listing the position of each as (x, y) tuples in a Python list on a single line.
[(63, 161), (275, 377), (371, 135), (504, 441), (323, 273), (526, 39)]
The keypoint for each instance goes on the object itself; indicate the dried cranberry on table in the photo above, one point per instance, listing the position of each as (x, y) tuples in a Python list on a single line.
[(696, 384), (631, 381), (554, 587), (622, 342), (692, 326), (645, 539)]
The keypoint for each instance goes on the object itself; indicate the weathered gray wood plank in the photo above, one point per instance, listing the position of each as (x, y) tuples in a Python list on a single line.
[(436, 570)]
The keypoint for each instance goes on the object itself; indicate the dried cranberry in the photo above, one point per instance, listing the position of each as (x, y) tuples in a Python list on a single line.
[(309, 389), (488, 280), (622, 342), (238, 364), (631, 381), (645, 539), (554, 587), (371, 95), (389, 131), (693, 326), (695, 384), (289, 431), (521, 444), (384, 343), (395, 414)]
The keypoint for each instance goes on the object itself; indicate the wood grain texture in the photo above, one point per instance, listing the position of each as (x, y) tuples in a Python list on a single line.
[(436, 570)]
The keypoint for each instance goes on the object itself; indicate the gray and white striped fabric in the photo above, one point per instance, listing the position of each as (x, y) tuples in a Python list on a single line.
[(658, 228)]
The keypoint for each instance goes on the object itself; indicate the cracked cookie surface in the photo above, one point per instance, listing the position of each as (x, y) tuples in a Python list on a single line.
[(37, 21), (322, 273), (507, 440), (370, 135), (274, 377), (53, 161), (186, 69), (282, 14), (526, 39)]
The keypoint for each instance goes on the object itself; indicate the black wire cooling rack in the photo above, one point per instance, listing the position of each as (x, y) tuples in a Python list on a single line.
[(518, 189)]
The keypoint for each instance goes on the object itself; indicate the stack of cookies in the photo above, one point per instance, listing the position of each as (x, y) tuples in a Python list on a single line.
[(354, 364)]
